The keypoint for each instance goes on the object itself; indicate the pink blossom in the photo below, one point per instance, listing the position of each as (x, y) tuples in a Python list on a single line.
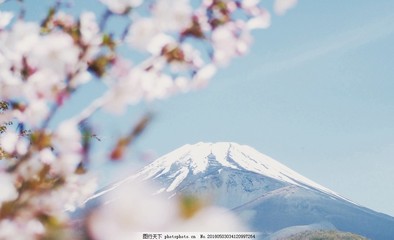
[(43, 84), (21, 39), (156, 44), (172, 15), (132, 210), (8, 191), (142, 32), (9, 141), (224, 41), (5, 18), (262, 20), (35, 113), (21, 229), (282, 6), (65, 19), (121, 6), (57, 52), (250, 4), (89, 28), (211, 219), (69, 197), (66, 140), (203, 76)]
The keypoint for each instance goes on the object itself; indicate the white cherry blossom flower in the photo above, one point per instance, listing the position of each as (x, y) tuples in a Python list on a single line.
[(21, 230), (89, 28), (57, 52), (22, 147), (9, 141), (262, 20), (249, 4), (10, 83), (18, 42), (29, 169), (8, 191), (191, 59), (65, 19), (158, 87), (35, 113), (203, 76), (121, 68), (182, 84), (136, 84), (82, 77), (131, 210), (212, 219), (10, 230), (202, 19), (47, 156), (224, 42), (172, 15), (43, 83), (156, 44), (121, 6), (69, 197), (5, 18), (67, 137), (66, 163), (282, 6), (124, 92), (66, 141), (142, 32)]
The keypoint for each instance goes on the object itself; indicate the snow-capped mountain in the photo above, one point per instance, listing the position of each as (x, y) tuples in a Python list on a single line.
[(264, 192)]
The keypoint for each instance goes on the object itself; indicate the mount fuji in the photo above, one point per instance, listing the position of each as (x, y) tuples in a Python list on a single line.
[(270, 197)]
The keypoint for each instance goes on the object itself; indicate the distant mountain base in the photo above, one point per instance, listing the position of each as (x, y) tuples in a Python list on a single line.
[(322, 235)]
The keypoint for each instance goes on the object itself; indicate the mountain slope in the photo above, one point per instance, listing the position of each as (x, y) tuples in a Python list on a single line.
[(264, 192)]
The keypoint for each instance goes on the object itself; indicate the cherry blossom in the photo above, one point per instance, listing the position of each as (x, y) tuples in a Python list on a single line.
[(225, 43), (121, 6), (19, 41), (203, 76), (5, 19), (282, 6), (142, 32), (172, 15), (11, 229), (263, 20), (35, 113), (212, 219), (9, 141), (90, 30), (125, 215), (55, 51), (8, 191), (66, 140), (43, 170)]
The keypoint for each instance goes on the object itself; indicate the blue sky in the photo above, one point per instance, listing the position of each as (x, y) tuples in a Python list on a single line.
[(315, 93)]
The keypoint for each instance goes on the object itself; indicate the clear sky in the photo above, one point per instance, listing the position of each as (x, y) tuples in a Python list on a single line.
[(315, 93)]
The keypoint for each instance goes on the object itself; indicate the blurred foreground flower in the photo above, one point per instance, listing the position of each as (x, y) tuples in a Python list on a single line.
[(129, 210), (159, 48)]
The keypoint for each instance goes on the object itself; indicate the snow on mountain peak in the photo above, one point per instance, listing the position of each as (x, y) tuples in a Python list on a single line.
[(198, 158)]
